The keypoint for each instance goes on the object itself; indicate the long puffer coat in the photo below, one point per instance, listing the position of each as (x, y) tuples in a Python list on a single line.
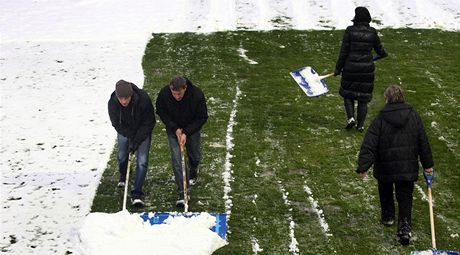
[(394, 142), (356, 63)]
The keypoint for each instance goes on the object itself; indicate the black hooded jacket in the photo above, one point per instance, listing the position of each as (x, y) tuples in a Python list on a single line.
[(355, 61), (190, 113), (394, 142), (135, 121)]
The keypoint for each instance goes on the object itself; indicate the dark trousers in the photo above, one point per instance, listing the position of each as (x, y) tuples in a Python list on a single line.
[(194, 156), (403, 191), (361, 111), (142, 157)]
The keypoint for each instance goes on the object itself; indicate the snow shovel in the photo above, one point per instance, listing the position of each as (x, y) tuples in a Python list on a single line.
[(310, 81), (125, 195), (159, 217), (220, 226), (429, 179)]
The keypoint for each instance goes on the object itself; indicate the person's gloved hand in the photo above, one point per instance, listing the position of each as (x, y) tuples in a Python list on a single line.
[(133, 146), (376, 57), (336, 72)]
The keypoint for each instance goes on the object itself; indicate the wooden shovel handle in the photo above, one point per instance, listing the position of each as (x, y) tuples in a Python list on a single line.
[(430, 202), (325, 76)]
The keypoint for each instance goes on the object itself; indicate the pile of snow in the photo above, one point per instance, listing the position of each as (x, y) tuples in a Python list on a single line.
[(124, 233)]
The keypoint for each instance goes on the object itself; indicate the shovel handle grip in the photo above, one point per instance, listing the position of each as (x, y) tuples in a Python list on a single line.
[(428, 177)]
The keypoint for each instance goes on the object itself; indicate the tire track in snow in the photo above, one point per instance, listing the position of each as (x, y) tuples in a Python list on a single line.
[(227, 174)]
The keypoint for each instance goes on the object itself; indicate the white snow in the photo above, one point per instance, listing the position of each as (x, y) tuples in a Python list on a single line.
[(317, 210), (99, 235), (255, 245), (242, 53), (293, 246), (227, 173), (59, 61)]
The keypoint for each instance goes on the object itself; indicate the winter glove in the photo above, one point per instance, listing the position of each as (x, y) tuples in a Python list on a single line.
[(336, 72), (376, 57), (133, 146)]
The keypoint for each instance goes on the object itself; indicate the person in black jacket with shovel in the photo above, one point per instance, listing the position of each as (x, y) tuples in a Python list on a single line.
[(356, 64), (182, 108), (132, 115), (394, 143)]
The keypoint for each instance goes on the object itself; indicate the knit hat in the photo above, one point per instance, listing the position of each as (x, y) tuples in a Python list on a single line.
[(362, 15), (123, 89)]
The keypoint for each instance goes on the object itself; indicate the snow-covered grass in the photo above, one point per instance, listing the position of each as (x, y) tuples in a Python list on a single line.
[(60, 59)]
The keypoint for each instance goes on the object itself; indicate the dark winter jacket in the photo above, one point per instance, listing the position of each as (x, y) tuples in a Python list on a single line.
[(394, 142), (135, 121), (189, 114), (355, 61)]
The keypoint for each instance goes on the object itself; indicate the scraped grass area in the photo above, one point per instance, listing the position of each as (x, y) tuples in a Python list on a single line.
[(284, 140)]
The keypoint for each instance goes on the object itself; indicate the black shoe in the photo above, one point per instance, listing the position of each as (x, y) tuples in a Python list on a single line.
[(404, 233), (387, 222), (181, 202), (121, 184), (194, 176), (193, 181), (137, 201), (121, 181), (360, 129), (404, 239), (350, 123)]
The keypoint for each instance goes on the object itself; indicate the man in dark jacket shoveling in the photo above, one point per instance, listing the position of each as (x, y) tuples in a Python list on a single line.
[(132, 115), (182, 108), (394, 143)]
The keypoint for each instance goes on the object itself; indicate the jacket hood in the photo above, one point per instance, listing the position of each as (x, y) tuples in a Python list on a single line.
[(396, 114)]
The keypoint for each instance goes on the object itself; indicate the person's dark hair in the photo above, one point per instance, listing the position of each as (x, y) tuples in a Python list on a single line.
[(362, 15), (178, 83), (394, 94)]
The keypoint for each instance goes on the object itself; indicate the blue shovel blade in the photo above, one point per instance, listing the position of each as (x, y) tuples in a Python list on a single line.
[(435, 252), (158, 218)]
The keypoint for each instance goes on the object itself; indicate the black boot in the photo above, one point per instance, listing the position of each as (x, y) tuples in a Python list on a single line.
[(404, 232)]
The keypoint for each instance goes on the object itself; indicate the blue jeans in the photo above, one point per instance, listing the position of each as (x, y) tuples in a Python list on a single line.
[(142, 156), (193, 154)]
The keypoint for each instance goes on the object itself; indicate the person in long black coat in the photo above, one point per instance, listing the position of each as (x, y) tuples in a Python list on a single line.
[(356, 65), (394, 144)]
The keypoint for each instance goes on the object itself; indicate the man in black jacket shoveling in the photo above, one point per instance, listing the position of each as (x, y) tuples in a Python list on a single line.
[(394, 143), (132, 115), (182, 108)]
